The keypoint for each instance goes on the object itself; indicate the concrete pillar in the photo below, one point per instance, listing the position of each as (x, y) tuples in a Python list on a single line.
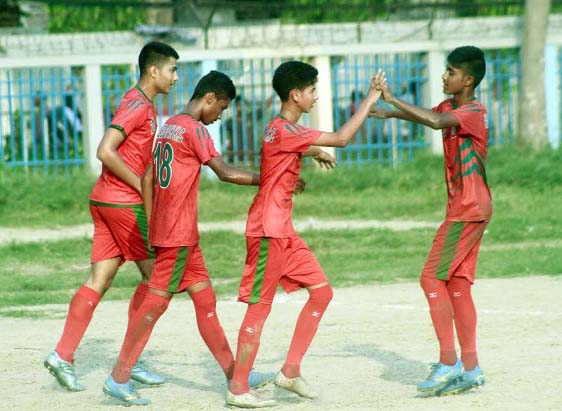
[(93, 124), (552, 95), (321, 116), (215, 128), (433, 94)]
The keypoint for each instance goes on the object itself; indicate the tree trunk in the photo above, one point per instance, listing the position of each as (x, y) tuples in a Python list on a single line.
[(532, 105)]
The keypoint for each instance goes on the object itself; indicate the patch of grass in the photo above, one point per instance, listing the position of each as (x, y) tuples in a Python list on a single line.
[(349, 257)]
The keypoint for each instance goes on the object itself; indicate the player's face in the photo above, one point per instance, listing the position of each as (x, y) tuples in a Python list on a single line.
[(214, 109), (167, 75), (306, 98), (454, 80)]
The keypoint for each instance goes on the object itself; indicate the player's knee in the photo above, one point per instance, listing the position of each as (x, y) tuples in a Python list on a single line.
[(322, 295)]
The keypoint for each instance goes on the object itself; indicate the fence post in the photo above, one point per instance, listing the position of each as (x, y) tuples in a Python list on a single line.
[(433, 94), (214, 129), (94, 124), (321, 116), (552, 94)]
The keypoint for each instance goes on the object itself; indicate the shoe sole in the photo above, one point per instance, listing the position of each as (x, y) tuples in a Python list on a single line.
[(120, 400), (52, 371), (459, 390)]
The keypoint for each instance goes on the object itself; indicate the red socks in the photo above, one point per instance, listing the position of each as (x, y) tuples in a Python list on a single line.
[(210, 329), (441, 310), (138, 333), (307, 325), (136, 299), (248, 344), (80, 312), (459, 289)]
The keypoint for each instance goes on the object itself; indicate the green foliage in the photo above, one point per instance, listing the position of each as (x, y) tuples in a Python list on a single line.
[(330, 11), (68, 19)]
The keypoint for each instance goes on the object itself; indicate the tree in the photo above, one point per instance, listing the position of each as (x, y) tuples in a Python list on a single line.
[(532, 106)]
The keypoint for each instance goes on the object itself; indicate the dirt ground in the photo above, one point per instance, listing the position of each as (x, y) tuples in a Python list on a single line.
[(373, 346)]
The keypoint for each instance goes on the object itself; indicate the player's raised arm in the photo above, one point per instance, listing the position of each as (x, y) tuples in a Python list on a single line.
[(108, 155), (415, 113), (230, 174), (343, 136)]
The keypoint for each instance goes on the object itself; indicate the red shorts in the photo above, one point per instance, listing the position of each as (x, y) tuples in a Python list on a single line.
[(177, 268), (455, 250), (273, 261), (119, 230)]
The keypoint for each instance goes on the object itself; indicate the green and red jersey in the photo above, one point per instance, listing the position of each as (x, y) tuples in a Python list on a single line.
[(180, 148), (135, 118), (271, 212), (465, 149)]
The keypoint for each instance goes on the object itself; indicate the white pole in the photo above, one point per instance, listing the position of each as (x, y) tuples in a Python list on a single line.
[(93, 127), (321, 116), (433, 93)]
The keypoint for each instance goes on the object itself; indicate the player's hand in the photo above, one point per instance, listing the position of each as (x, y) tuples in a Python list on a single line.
[(325, 160), (378, 81), (378, 113), (301, 184)]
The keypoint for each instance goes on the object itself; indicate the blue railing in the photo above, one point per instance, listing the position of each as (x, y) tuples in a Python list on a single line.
[(387, 142), (41, 119)]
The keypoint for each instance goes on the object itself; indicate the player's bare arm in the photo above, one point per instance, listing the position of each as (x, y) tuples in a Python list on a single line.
[(344, 135), (230, 174), (324, 159), (417, 114), (108, 155), (147, 190)]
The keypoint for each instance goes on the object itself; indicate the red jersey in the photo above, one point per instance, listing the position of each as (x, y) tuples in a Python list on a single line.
[(136, 119), (465, 148), (283, 144), (181, 146)]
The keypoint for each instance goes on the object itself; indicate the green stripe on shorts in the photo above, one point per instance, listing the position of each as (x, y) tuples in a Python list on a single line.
[(179, 267), (449, 248), (142, 223), (260, 271)]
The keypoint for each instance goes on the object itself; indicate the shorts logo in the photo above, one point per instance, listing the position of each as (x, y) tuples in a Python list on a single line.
[(269, 134)]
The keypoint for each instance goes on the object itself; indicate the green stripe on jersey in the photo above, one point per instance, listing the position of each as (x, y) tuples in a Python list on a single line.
[(291, 128), (121, 129), (142, 224), (113, 205), (260, 271), (179, 267), (448, 251)]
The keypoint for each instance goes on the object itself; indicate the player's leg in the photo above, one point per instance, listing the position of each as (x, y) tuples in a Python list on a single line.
[(264, 264), (105, 258), (80, 312), (118, 384), (437, 269), (459, 288), (303, 270), (198, 285)]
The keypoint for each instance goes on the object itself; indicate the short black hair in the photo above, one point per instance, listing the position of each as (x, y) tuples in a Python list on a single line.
[(215, 82), (471, 60), (293, 75), (155, 54)]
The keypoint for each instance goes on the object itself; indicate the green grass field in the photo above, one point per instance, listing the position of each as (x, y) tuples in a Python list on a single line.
[(522, 239)]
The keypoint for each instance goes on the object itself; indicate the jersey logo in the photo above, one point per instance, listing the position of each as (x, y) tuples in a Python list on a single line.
[(269, 134), (152, 126)]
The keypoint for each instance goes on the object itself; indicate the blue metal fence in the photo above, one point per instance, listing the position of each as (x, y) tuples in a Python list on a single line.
[(387, 142), (499, 93), (40, 118)]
